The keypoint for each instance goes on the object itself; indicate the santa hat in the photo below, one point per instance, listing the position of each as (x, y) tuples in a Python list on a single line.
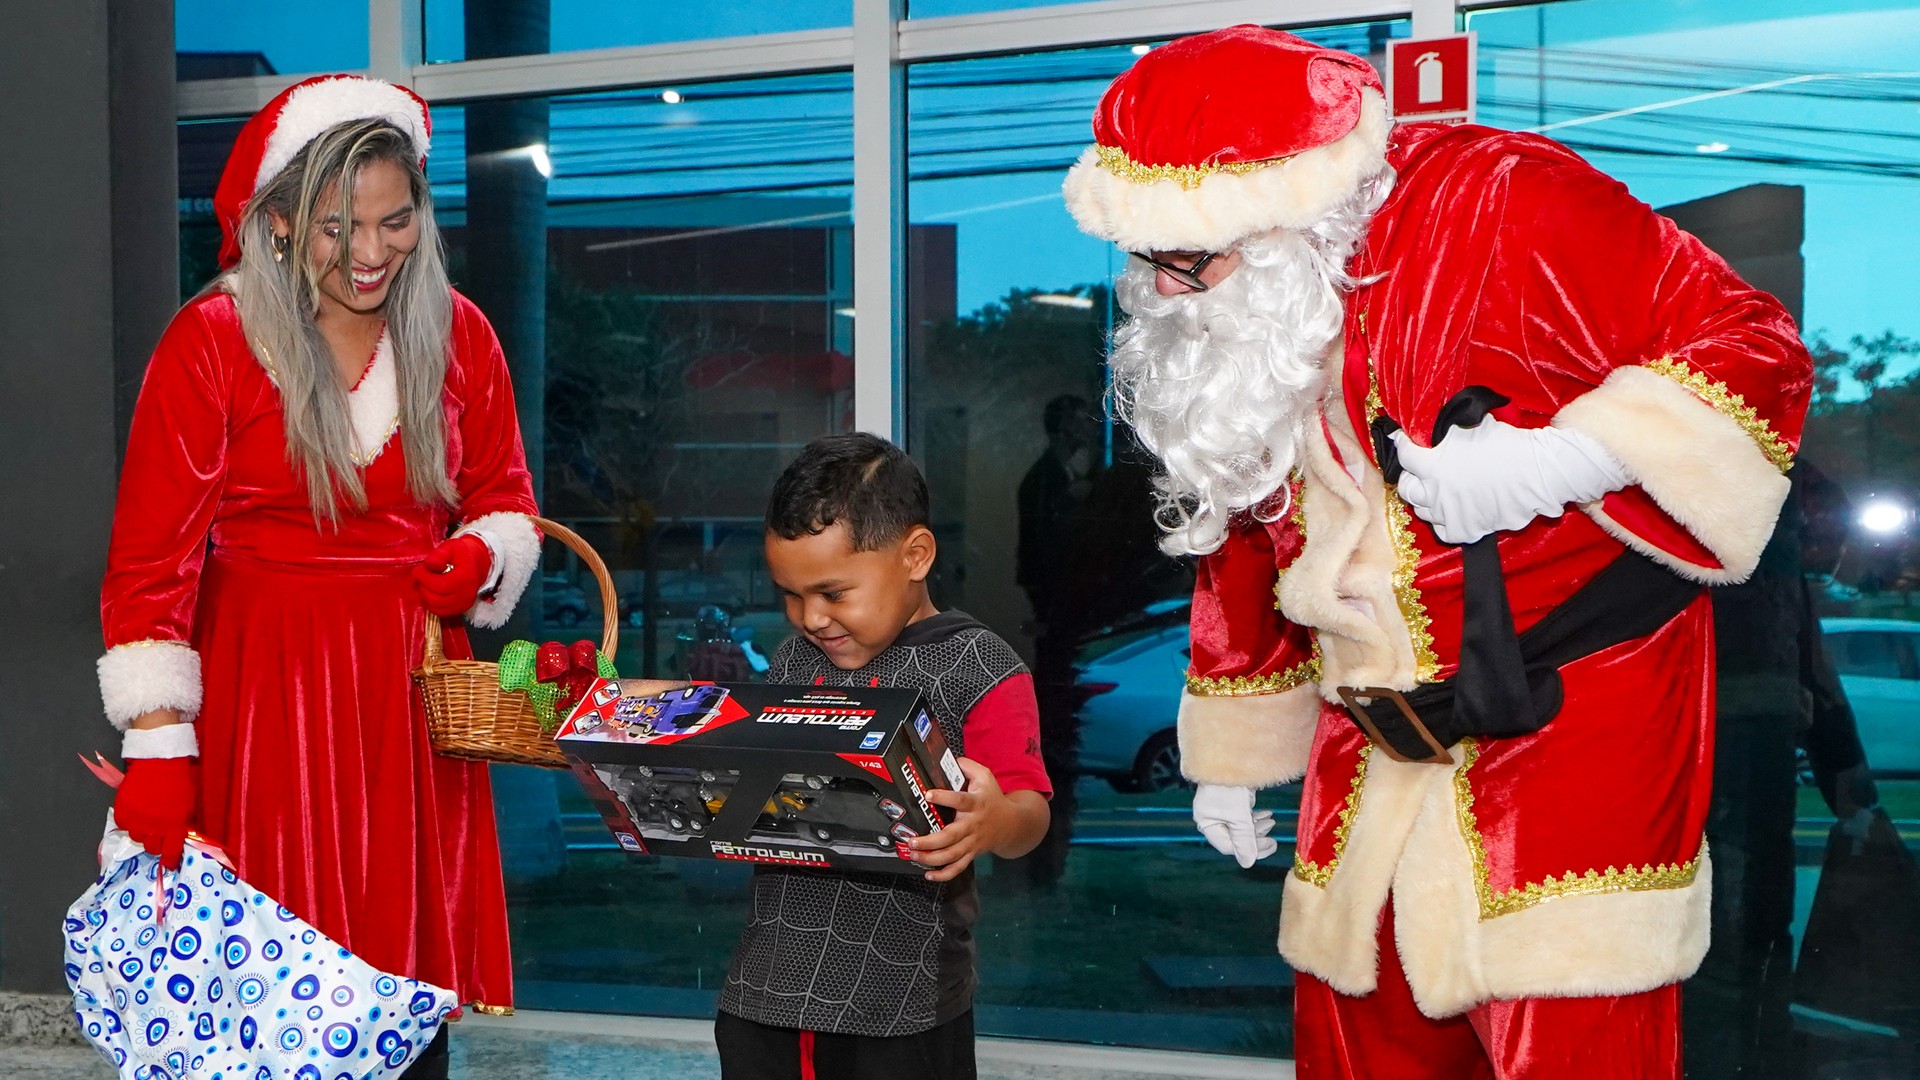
[(275, 136), (1217, 137)]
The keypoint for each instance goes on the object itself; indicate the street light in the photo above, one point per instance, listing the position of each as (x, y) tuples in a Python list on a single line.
[(542, 163), (1885, 517)]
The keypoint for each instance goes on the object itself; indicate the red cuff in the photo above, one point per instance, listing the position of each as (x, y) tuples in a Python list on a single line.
[(1635, 511)]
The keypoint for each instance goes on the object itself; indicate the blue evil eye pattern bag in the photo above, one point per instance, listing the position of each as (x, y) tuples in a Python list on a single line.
[(195, 975)]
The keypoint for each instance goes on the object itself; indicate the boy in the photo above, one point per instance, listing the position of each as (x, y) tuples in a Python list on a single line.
[(854, 975)]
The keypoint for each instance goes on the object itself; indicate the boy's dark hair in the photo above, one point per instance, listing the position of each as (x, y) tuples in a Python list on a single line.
[(860, 480)]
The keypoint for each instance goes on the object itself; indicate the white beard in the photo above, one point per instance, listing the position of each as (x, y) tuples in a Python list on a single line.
[(1222, 385)]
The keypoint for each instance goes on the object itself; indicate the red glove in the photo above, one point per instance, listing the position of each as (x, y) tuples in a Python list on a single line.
[(155, 804), (449, 580)]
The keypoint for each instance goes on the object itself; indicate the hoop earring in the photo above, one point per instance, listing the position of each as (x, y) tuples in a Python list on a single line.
[(280, 245)]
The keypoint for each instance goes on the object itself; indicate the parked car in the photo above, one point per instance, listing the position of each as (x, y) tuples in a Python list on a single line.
[(1878, 661), (681, 595), (1131, 679), (562, 603)]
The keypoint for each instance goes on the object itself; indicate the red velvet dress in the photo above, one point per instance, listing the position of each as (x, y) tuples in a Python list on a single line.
[(316, 772)]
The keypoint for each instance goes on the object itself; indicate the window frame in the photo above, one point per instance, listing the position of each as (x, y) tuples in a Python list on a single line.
[(876, 48)]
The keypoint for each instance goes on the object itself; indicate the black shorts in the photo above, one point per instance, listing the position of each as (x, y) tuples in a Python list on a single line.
[(750, 1051)]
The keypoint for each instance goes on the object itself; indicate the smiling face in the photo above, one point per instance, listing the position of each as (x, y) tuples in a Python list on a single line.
[(383, 231), (852, 604)]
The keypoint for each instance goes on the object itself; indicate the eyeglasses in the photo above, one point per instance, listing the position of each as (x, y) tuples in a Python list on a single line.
[(1185, 275)]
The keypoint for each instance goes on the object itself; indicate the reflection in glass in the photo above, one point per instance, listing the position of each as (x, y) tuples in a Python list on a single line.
[(602, 24), (203, 149), (695, 335), (219, 39)]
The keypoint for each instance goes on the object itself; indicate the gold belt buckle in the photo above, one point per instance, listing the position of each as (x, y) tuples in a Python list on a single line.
[(1352, 695)]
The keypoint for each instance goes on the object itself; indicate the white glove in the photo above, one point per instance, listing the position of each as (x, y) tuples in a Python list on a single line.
[(1229, 822), (1495, 476)]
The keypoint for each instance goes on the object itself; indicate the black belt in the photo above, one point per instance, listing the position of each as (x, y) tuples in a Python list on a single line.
[(1507, 684)]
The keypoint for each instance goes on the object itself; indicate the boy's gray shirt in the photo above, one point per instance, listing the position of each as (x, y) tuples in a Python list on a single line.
[(861, 953)]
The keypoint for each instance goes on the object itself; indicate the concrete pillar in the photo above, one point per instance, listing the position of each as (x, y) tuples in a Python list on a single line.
[(506, 230), (90, 222)]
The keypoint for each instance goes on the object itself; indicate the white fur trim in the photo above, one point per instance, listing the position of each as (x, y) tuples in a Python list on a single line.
[(1342, 583), (374, 404), (1571, 946), (311, 110), (1697, 463), (167, 740), (516, 547), (141, 676), (1225, 208), (1405, 841), (1331, 932), (1254, 741)]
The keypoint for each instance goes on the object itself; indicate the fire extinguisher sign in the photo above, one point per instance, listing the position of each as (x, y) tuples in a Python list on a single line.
[(1432, 78)]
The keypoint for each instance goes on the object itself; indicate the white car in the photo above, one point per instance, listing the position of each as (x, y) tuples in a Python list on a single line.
[(1878, 661), (1131, 681)]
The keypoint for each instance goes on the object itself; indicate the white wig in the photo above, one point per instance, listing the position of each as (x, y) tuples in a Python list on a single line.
[(1221, 384)]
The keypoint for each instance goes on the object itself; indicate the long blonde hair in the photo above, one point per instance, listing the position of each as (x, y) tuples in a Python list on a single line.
[(279, 299)]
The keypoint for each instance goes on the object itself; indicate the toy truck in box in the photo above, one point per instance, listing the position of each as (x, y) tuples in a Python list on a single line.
[(792, 775)]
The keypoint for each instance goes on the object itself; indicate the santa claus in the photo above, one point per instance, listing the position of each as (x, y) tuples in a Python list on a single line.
[(1458, 430)]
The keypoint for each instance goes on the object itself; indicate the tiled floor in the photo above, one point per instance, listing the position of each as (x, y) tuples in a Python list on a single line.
[(540, 1046)]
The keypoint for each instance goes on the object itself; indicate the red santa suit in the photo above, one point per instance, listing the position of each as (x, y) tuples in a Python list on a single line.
[(293, 643), (1566, 863)]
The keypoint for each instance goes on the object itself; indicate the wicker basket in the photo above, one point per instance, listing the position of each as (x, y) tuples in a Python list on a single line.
[(469, 716)]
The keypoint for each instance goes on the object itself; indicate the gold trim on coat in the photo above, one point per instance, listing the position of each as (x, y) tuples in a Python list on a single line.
[(1313, 873), (1729, 404), (1507, 901), (1306, 671)]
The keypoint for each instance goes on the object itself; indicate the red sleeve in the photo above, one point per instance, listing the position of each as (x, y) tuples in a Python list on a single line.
[(1605, 282), (1655, 348), (1252, 698), (1003, 733), (169, 488), (1241, 642)]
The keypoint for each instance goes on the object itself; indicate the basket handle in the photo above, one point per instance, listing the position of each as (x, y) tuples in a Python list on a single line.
[(609, 599)]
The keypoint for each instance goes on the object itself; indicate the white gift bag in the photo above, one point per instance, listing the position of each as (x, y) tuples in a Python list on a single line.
[(195, 975)]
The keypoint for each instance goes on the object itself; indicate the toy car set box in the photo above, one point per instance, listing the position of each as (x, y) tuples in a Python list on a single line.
[(819, 776)]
